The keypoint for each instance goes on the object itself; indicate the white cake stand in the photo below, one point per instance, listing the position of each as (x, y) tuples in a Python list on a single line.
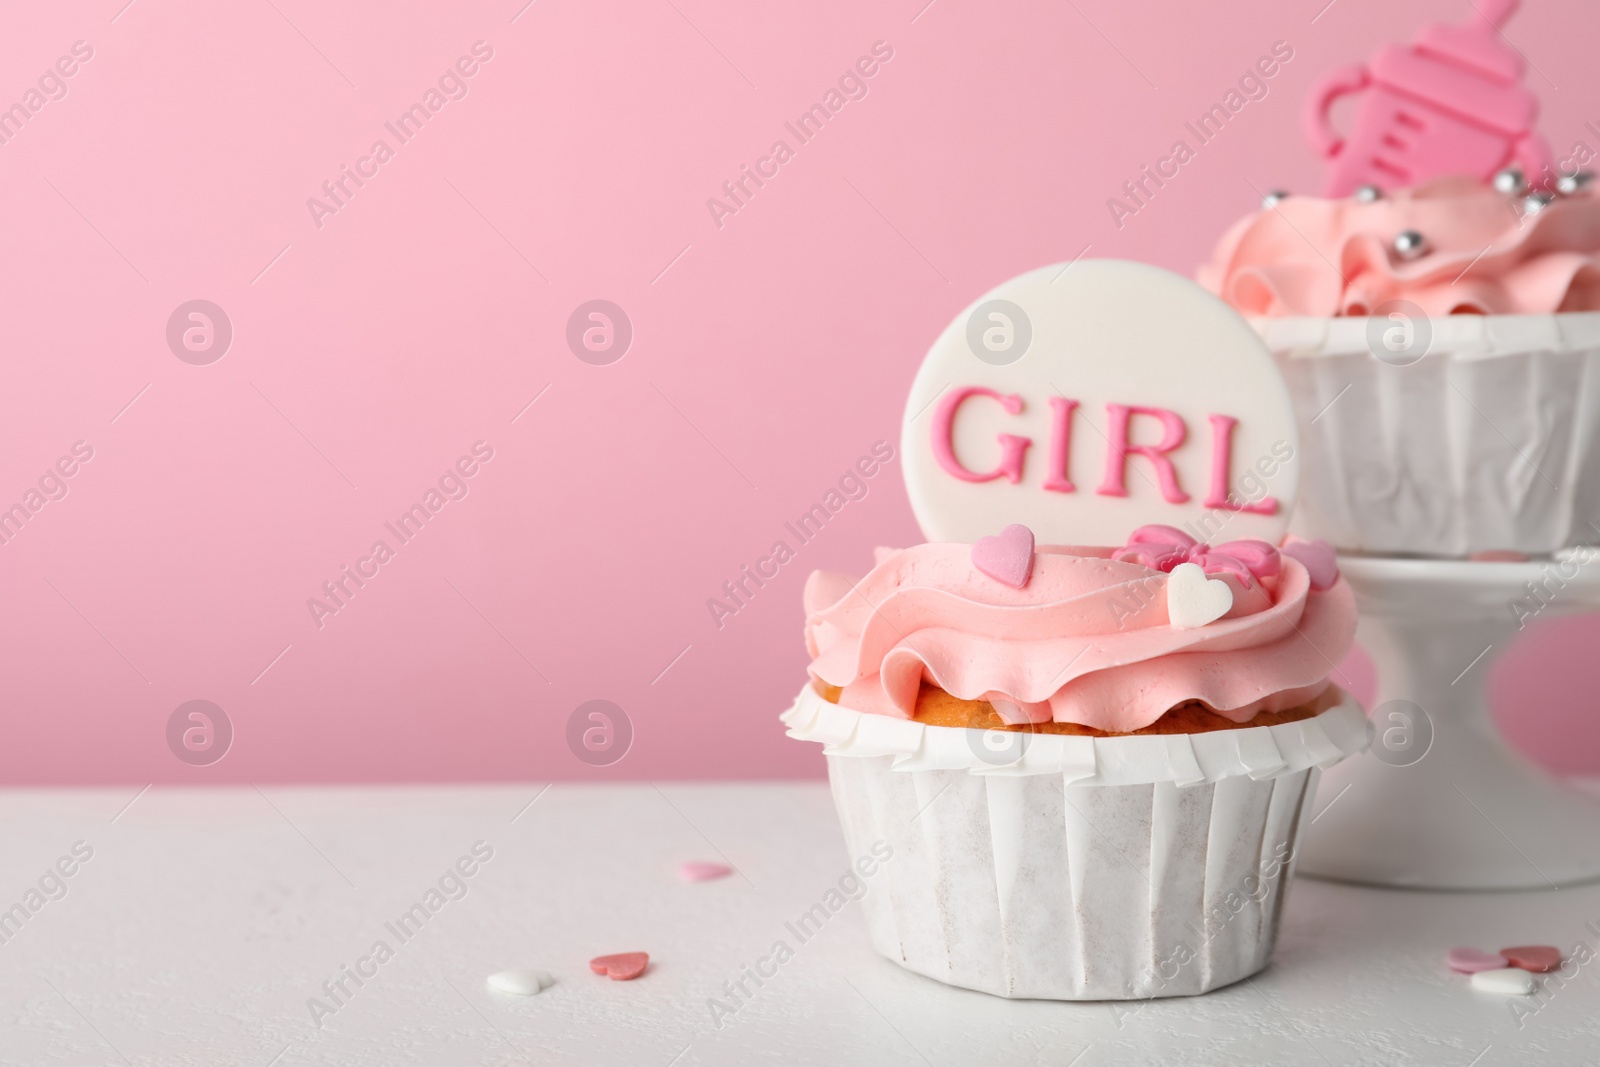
[(1440, 802)]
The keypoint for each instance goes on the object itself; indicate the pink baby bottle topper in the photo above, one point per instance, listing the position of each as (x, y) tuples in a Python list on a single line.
[(1450, 103)]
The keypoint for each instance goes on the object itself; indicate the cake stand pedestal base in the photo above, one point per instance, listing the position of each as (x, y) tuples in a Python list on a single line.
[(1440, 802)]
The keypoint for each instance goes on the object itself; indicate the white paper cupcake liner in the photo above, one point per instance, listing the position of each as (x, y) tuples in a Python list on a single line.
[(1490, 440), (1084, 868)]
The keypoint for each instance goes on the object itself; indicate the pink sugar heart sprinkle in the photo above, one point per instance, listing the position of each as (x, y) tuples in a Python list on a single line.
[(1472, 960), (1319, 560), (1538, 958), (700, 871), (1008, 558), (622, 966)]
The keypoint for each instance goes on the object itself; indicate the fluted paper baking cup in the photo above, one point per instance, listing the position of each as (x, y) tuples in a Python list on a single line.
[(1076, 868), (1478, 433)]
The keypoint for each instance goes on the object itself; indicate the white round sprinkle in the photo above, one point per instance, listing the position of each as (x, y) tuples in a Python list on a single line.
[(1409, 244), (1511, 181), (1534, 203), (1571, 184), (1511, 981), (521, 982)]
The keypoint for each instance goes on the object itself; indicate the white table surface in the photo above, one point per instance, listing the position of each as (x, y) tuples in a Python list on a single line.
[(206, 919)]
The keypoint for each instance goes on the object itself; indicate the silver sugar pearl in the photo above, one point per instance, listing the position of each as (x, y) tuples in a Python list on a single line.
[(1409, 244), (1568, 184), (1366, 194), (1534, 203), (1272, 199), (1511, 181)]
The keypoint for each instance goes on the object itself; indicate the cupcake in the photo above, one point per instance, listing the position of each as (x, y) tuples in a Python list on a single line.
[(1442, 349), (1437, 315), (1089, 766)]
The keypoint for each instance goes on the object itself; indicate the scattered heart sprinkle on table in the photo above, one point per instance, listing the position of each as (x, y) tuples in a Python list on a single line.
[(1511, 981), (521, 982), (622, 966), (1539, 958), (700, 871), (1472, 960)]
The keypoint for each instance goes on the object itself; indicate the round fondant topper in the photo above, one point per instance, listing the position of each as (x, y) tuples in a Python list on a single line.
[(1090, 399)]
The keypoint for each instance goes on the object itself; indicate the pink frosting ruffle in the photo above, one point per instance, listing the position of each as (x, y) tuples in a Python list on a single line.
[(1310, 256), (1086, 641)]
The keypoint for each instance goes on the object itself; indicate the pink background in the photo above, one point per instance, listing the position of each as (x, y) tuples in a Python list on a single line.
[(369, 353)]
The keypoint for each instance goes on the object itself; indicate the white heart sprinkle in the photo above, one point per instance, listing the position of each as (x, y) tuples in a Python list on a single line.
[(1512, 981), (521, 982), (1194, 600)]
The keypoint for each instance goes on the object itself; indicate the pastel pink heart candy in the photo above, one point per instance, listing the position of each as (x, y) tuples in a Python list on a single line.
[(1533, 957), (1472, 960), (1318, 559), (622, 966), (1007, 558), (697, 871)]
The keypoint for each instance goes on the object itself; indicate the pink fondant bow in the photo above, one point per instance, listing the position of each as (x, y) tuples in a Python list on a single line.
[(1164, 547)]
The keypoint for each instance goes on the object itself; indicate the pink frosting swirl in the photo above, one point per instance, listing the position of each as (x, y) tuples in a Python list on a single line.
[(1310, 256), (1086, 641)]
